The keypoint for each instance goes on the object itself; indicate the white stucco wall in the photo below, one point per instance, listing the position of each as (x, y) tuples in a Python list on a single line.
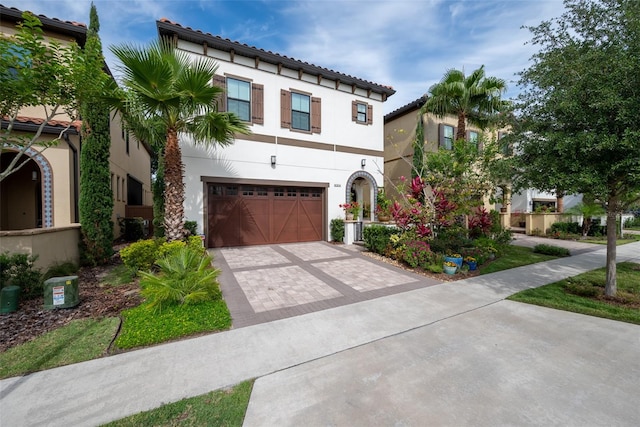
[(252, 160)]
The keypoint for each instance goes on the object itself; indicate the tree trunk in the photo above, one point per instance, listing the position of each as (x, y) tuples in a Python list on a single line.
[(174, 189), (462, 123), (611, 286)]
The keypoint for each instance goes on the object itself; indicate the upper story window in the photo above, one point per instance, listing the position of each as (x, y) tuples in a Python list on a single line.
[(505, 148), (15, 58), (446, 136), (300, 111), (361, 113), (239, 98)]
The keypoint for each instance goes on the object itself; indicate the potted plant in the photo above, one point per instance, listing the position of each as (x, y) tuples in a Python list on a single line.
[(454, 258), (383, 207), (351, 210), (471, 262), (450, 267)]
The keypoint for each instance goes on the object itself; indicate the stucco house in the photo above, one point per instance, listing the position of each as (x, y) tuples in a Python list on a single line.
[(316, 143), (39, 203)]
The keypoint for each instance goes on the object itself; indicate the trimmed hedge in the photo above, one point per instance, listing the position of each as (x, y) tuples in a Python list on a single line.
[(551, 250), (377, 238)]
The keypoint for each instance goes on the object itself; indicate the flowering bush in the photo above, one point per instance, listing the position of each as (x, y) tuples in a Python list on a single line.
[(351, 208), (480, 224), (417, 253)]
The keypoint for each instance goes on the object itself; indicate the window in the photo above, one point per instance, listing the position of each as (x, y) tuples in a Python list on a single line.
[(239, 98), (247, 191), (300, 111), (15, 58), (505, 147), (473, 138), (446, 136), (361, 113), (242, 97)]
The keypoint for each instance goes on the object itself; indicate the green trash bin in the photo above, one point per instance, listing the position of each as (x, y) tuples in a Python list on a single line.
[(9, 299), (61, 292)]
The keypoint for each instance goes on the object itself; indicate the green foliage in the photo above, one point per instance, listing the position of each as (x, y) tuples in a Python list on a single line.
[(144, 326), (96, 198), (565, 227), (417, 253), (451, 240), (475, 98), (632, 222), (418, 149), (140, 256), (377, 238), (158, 198), (551, 250), (35, 72), (133, 229), (18, 269), (337, 229), (166, 92), (185, 277), (191, 227)]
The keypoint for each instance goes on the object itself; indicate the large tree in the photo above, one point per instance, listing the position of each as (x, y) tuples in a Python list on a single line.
[(96, 196), (577, 127), (167, 89), (34, 72), (474, 99)]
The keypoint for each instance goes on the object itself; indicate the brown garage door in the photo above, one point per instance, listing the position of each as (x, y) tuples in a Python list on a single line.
[(241, 215)]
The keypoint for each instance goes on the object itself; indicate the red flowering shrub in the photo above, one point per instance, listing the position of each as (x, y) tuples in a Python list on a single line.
[(480, 224)]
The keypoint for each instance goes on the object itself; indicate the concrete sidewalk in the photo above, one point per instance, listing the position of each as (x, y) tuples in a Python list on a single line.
[(98, 391), (574, 246)]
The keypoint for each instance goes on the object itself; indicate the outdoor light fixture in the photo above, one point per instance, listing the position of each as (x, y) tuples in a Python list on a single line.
[(273, 160), (363, 162), (34, 175)]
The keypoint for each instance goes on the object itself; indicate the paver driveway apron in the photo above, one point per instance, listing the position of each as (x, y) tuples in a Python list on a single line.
[(263, 283)]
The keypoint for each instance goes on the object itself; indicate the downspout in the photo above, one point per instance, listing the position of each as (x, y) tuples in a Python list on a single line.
[(76, 175)]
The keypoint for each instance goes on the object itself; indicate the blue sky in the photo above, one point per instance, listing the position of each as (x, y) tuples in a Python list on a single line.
[(407, 44)]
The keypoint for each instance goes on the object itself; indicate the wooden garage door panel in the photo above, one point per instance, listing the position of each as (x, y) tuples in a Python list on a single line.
[(254, 215)]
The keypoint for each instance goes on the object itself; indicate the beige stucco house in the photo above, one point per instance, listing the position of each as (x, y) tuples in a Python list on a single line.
[(39, 203)]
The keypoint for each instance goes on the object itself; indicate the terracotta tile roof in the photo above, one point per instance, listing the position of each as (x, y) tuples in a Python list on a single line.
[(411, 106), (198, 36), (37, 121), (74, 29), (43, 17)]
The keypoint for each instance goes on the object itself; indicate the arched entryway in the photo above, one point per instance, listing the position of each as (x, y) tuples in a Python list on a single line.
[(25, 195), (362, 188)]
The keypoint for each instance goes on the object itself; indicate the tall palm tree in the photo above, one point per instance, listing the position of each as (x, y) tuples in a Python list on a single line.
[(474, 98), (165, 90)]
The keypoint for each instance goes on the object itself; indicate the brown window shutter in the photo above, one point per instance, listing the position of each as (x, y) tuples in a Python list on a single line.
[(221, 82), (285, 109), (369, 114), (354, 111), (257, 104), (440, 135), (316, 115)]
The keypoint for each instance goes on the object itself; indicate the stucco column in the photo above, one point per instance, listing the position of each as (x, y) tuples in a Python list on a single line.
[(505, 217)]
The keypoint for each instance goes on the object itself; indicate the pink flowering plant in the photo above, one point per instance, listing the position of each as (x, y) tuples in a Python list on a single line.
[(351, 208)]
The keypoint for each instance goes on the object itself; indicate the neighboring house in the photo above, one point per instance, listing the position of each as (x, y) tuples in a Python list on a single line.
[(400, 133), (42, 197), (316, 142)]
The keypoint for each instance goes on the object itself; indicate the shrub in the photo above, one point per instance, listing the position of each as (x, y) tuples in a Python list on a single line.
[(185, 277), (18, 269), (417, 253), (566, 227), (140, 255), (191, 228), (551, 250), (133, 229), (377, 238), (337, 230), (435, 268), (582, 288), (450, 241)]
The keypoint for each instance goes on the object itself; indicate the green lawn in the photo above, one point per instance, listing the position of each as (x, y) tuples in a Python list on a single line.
[(628, 238), (514, 256), (80, 340), (221, 408), (584, 294)]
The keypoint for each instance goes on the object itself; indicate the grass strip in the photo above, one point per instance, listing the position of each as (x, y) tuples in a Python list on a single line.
[(80, 340), (224, 408), (141, 326), (624, 307), (514, 256)]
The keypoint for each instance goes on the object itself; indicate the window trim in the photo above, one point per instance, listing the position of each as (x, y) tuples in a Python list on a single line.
[(229, 98)]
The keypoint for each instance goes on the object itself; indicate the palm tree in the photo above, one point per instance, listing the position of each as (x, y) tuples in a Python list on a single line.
[(474, 99), (165, 90)]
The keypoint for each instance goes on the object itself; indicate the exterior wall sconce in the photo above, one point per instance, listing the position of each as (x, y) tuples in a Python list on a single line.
[(273, 160), (363, 162), (34, 175)]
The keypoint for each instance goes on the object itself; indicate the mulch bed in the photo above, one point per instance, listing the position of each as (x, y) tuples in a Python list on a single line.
[(96, 301)]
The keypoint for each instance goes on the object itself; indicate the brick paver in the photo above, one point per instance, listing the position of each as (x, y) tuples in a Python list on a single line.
[(266, 283)]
